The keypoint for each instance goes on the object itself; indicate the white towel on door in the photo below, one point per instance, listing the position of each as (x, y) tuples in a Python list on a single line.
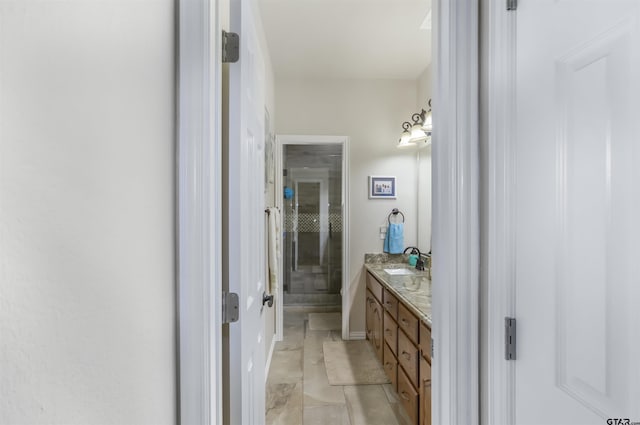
[(274, 248)]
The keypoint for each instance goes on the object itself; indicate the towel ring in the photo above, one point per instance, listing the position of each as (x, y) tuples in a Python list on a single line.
[(395, 212)]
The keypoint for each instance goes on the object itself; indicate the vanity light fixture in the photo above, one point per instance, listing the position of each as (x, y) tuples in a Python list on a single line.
[(427, 121), (405, 138), (418, 133)]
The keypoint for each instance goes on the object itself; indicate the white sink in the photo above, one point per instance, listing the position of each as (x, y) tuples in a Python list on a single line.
[(399, 272)]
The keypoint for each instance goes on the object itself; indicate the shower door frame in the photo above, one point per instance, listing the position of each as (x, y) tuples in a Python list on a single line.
[(282, 140)]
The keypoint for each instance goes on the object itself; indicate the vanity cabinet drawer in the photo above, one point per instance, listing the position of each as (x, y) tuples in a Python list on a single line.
[(374, 286), (408, 323), (390, 303), (390, 332), (408, 358), (390, 365), (425, 341), (408, 396)]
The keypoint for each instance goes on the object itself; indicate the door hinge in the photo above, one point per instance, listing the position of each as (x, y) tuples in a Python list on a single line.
[(230, 307), (512, 4), (509, 338), (230, 47)]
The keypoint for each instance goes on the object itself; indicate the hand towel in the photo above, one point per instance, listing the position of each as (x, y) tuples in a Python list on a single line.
[(274, 248), (394, 240)]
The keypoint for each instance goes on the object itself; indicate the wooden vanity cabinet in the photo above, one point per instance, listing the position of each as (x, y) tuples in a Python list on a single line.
[(390, 361), (425, 392), (408, 396), (390, 364), (425, 374), (374, 287), (406, 349), (408, 358), (374, 316), (425, 341), (390, 331), (390, 303), (409, 323)]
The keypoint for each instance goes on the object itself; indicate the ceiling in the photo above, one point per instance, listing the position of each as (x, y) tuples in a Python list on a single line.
[(347, 38)]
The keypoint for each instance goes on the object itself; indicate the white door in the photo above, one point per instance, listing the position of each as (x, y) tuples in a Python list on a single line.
[(247, 268), (578, 212)]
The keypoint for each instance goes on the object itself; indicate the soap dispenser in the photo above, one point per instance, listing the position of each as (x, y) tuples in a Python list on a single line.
[(414, 255)]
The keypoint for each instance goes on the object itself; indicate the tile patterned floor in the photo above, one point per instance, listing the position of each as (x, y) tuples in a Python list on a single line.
[(298, 391)]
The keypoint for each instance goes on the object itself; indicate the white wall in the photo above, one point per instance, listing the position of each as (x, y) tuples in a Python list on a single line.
[(87, 317), (370, 112)]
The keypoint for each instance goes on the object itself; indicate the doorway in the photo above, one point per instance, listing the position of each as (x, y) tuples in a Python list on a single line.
[(454, 266), (313, 172), (313, 223)]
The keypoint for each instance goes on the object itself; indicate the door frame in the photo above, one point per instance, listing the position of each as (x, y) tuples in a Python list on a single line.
[(199, 211), (498, 40), (282, 140), (456, 226), (455, 230)]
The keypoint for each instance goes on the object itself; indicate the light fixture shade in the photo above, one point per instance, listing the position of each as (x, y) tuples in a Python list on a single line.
[(405, 140), (417, 134)]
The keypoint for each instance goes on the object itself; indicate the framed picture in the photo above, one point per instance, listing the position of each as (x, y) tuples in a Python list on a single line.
[(382, 187)]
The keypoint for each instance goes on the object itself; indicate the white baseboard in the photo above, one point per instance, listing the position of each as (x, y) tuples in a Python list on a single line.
[(268, 365), (357, 335)]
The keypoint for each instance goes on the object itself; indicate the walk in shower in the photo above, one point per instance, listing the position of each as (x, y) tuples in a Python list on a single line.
[(313, 218)]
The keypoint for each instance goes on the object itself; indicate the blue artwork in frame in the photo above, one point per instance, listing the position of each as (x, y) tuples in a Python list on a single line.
[(382, 187)]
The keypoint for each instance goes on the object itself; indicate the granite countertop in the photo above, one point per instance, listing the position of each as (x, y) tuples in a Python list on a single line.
[(414, 289)]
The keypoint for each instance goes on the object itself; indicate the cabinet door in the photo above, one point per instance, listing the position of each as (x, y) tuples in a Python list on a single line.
[(377, 336), (390, 366), (408, 358), (409, 323), (390, 303), (374, 286), (425, 341), (390, 332), (368, 316), (425, 392), (408, 396)]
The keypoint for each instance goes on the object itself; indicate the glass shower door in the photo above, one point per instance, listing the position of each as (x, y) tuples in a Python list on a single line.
[(313, 225)]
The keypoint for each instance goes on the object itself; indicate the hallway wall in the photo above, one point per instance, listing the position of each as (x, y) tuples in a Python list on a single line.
[(370, 112), (87, 291)]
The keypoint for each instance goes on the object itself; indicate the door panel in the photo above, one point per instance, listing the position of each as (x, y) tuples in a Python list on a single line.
[(577, 209), (246, 246)]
